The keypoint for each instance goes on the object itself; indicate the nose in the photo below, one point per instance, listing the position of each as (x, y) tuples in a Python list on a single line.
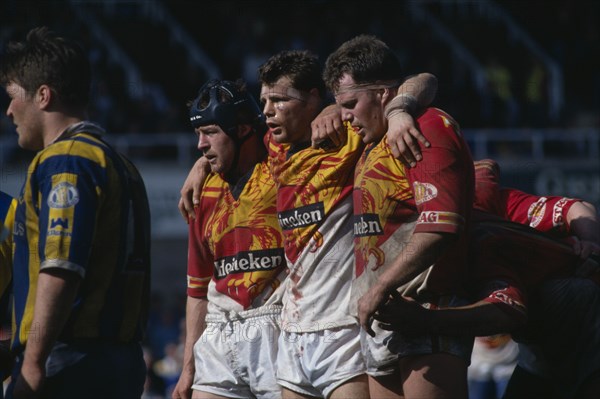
[(9, 111), (269, 109), (347, 116), (203, 142)]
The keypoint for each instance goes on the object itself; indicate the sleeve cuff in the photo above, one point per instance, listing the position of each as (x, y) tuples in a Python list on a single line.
[(63, 264)]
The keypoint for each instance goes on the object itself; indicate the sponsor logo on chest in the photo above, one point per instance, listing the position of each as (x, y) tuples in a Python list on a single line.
[(301, 217), (249, 261), (367, 225)]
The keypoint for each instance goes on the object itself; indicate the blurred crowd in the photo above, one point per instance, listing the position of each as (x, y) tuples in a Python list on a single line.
[(239, 36)]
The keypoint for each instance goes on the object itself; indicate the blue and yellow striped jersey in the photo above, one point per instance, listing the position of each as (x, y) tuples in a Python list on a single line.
[(83, 208), (7, 217)]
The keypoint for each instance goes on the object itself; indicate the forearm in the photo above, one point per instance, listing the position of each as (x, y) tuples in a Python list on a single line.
[(56, 291), (195, 324), (583, 222), (416, 93), (423, 250)]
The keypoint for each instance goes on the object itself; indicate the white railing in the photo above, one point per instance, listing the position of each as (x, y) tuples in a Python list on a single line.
[(581, 145)]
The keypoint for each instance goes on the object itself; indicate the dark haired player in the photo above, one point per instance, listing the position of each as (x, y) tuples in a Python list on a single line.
[(81, 235)]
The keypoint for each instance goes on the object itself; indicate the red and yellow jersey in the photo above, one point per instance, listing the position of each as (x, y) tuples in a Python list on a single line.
[(314, 208), (543, 213), (514, 246), (312, 182), (392, 202), (236, 256)]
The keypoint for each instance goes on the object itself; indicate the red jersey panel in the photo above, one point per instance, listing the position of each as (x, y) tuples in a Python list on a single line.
[(392, 202), (544, 213), (514, 247)]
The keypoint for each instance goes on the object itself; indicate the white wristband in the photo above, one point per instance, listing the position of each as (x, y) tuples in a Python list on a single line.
[(403, 102)]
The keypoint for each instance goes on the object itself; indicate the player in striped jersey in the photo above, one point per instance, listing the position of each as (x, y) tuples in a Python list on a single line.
[(81, 235), (7, 216)]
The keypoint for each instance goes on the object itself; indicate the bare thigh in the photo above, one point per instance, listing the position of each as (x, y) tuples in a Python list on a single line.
[(386, 387), (356, 388)]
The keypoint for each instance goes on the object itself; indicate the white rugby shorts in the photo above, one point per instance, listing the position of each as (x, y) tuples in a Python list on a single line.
[(235, 356), (383, 352), (316, 363)]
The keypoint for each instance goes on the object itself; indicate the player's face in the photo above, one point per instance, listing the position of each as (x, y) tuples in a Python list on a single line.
[(24, 112), (217, 147), (288, 112), (363, 109)]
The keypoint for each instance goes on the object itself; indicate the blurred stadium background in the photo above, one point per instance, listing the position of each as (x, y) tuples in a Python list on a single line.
[(521, 77)]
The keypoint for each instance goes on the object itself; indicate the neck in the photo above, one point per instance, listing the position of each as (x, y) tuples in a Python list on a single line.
[(251, 153), (57, 122)]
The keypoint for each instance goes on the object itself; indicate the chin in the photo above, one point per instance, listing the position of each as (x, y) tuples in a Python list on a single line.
[(367, 139), (280, 138)]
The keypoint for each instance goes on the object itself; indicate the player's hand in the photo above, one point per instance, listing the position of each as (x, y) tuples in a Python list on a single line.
[(589, 252), (401, 314), (183, 389), (190, 192), (30, 381), (328, 129), (404, 138), (368, 305), (584, 248)]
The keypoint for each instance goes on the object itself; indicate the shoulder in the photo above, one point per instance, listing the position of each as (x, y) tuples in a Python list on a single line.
[(439, 127), (81, 148)]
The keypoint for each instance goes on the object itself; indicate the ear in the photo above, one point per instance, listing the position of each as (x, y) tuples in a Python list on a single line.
[(314, 98), (244, 130), (44, 96), (386, 96)]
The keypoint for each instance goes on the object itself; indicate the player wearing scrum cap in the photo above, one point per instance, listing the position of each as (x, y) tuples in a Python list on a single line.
[(235, 261)]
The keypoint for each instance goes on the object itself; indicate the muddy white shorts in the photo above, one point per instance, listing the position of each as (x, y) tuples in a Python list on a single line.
[(382, 352), (316, 363), (235, 356)]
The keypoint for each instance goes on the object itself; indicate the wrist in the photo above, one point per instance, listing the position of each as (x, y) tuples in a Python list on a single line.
[(403, 102)]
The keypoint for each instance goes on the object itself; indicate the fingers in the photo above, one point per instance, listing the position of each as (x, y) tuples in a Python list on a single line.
[(416, 133), (413, 145), (186, 205), (183, 210), (367, 326), (403, 153), (327, 131)]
